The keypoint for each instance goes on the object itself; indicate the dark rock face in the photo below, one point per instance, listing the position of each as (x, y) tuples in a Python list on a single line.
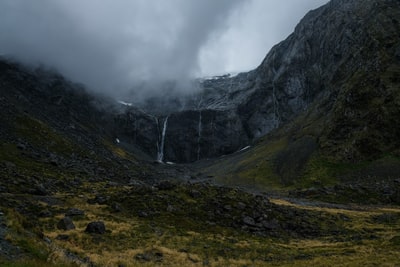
[(334, 53), (193, 135), (341, 63), (96, 228), (189, 135), (139, 129)]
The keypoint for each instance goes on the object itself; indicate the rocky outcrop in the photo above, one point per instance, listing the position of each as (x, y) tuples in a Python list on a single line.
[(193, 135)]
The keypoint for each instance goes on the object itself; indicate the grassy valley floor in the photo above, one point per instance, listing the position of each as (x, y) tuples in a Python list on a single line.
[(172, 224)]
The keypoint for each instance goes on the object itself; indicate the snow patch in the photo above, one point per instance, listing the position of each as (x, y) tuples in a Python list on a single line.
[(124, 103), (245, 148)]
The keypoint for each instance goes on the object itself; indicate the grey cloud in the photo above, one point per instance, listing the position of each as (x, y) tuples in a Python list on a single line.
[(111, 45), (254, 29)]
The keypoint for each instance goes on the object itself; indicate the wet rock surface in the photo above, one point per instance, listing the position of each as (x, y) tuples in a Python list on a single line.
[(316, 69)]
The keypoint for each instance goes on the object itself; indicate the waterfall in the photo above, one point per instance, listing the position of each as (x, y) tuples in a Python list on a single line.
[(160, 154), (274, 98), (276, 106), (158, 137), (199, 136)]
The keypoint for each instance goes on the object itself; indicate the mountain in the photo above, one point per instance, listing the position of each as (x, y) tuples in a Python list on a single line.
[(69, 189), (294, 163), (337, 99), (341, 60)]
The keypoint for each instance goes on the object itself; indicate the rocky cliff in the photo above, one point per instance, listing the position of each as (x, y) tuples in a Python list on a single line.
[(334, 86), (342, 58)]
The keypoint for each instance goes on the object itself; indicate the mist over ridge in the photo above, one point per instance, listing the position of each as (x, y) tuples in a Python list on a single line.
[(122, 45)]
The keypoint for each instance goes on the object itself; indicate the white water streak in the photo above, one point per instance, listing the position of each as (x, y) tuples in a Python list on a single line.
[(160, 156), (199, 137)]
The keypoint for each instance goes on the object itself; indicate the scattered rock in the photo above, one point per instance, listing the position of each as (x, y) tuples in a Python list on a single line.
[(165, 185), (96, 228), (115, 207), (194, 193), (395, 240), (101, 200), (344, 217), (3, 189), (386, 218), (143, 214), (65, 224), (45, 214), (10, 165), (74, 212), (241, 205), (227, 207), (271, 225), (153, 255), (7, 249), (47, 240), (21, 146), (193, 258), (40, 190), (249, 221), (142, 257), (62, 237), (54, 162)]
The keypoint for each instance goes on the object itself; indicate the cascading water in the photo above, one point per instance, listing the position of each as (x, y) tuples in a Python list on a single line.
[(275, 99), (158, 137), (199, 136), (160, 154)]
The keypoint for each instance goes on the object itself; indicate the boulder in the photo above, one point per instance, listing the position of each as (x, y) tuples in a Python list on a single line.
[(65, 223), (248, 221), (74, 212), (97, 227)]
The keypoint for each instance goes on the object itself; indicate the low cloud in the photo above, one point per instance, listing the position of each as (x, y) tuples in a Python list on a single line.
[(113, 46)]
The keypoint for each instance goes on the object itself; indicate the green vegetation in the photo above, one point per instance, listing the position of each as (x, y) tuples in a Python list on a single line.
[(253, 168), (171, 238), (39, 134)]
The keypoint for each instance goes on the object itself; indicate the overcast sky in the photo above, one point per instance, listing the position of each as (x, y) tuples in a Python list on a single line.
[(111, 44)]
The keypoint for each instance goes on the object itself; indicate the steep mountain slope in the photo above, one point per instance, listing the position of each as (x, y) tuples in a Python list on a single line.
[(56, 123), (71, 195), (342, 59), (342, 66)]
